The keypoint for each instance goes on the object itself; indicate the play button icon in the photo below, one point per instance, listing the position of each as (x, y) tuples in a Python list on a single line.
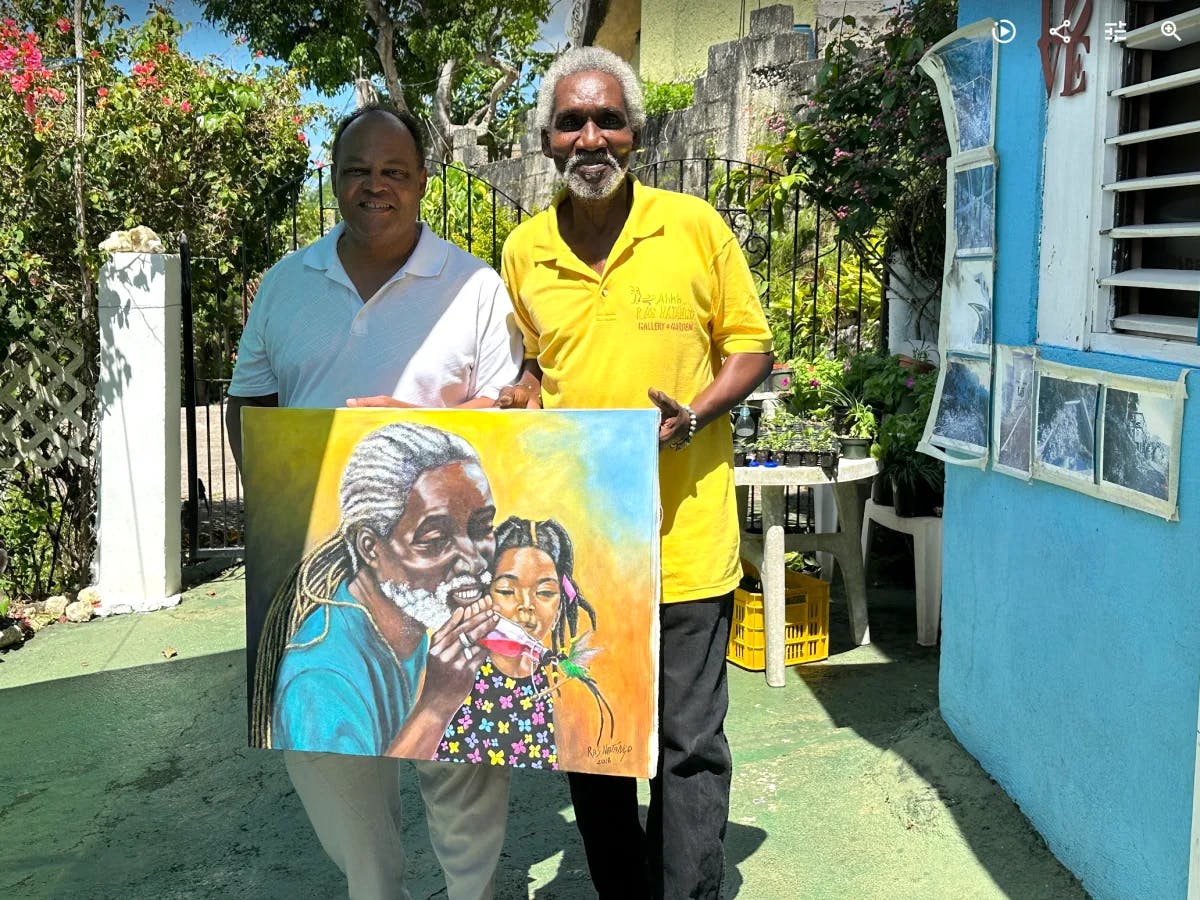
[(1004, 31)]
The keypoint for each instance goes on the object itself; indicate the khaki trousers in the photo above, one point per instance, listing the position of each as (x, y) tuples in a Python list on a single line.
[(353, 803)]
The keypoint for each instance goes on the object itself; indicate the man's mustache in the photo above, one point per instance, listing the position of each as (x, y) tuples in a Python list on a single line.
[(591, 158)]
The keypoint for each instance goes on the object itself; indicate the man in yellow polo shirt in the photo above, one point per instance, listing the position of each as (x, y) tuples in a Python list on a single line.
[(628, 296)]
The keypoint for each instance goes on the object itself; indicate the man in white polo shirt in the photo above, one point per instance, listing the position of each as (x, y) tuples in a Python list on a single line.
[(382, 307)]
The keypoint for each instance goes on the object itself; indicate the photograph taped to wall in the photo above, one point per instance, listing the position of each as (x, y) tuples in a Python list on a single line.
[(1065, 426), (464, 585), (1141, 422), (967, 296), (1012, 418), (963, 65), (963, 406), (973, 220)]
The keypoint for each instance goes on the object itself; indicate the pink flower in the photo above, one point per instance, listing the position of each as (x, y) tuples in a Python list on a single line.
[(102, 92), (908, 383), (296, 120), (814, 383), (161, 48), (301, 137), (184, 106), (166, 101), (63, 26), (258, 54)]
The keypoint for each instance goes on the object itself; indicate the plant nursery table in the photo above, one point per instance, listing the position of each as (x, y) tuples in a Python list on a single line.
[(766, 551)]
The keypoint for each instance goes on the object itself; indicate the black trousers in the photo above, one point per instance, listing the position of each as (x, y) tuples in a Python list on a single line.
[(680, 854)]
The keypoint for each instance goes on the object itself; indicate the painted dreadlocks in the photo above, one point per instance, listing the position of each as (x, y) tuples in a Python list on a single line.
[(376, 482), (566, 659)]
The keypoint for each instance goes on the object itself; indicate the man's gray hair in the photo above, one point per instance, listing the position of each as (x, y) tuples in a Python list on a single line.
[(382, 469), (591, 59)]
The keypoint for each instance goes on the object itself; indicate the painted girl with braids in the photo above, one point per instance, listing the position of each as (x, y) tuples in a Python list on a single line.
[(535, 645), (371, 642)]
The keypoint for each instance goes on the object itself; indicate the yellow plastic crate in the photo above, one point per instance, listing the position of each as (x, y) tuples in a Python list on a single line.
[(806, 623)]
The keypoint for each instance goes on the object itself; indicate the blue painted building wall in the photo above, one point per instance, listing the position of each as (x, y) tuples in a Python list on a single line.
[(1071, 626)]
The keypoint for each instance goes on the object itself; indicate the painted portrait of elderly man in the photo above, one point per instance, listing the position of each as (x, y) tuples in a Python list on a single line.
[(373, 616), (392, 599)]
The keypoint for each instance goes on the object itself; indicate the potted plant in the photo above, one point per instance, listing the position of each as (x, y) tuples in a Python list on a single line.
[(811, 380), (826, 444), (857, 424), (916, 480), (775, 443)]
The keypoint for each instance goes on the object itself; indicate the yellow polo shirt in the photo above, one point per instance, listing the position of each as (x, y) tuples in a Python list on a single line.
[(676, 297)]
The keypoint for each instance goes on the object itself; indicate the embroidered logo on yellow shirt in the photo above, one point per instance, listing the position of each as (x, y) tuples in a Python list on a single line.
[(665, 311)]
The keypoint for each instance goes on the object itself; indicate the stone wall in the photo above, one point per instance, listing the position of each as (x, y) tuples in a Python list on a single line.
[(746, 82), (869, 15)]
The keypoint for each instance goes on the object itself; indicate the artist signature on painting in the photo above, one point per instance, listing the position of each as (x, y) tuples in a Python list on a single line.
[(606, 754)]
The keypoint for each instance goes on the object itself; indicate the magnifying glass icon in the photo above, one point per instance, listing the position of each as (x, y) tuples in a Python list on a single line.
[(1169, 29)]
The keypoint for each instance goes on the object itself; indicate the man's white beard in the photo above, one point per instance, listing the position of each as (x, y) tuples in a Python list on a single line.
[(586, 190), (431, 609)]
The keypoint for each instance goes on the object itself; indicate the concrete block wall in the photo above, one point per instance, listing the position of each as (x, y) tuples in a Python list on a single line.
[(746, 82)]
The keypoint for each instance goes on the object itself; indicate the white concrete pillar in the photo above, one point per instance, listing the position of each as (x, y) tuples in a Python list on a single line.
[(912, 318), (139, 506)]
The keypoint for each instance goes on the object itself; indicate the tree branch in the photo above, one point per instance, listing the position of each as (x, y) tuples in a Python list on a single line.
[(442, 98), (385, 49), (482, 117)]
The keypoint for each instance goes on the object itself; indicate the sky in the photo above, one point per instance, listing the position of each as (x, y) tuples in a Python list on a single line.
[(201, 39)]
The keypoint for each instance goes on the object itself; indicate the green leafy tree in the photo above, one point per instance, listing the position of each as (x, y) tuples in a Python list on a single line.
[(459, 62), (129, 131), (871, 144), (868, 149)]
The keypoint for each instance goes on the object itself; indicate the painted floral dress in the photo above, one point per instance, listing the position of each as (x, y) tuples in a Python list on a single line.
[(503, 723)]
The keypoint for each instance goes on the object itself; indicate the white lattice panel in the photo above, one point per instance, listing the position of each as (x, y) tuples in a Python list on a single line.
[(41, 396)]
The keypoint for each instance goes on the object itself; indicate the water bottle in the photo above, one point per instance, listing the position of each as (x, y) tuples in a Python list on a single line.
[(743, 424)]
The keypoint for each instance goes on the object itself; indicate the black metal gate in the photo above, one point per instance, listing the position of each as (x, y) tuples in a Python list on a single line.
[(821, 295), (219, 288)]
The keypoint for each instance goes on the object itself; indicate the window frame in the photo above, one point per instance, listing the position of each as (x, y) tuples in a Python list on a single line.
[(1069, 314)]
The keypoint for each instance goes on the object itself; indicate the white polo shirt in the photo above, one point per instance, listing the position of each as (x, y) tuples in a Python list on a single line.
[(439, 332)]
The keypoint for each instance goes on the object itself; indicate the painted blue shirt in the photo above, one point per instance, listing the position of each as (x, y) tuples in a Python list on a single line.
[(339, 689)]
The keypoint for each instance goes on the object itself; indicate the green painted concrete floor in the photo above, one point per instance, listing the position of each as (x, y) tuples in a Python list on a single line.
[(126, 776)]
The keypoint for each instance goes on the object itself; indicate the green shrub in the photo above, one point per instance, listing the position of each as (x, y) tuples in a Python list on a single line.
[(479, 226), (668, 96), (30, 518)]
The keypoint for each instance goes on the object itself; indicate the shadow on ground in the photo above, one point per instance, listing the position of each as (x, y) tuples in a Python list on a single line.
[(137, 783), (922, 778)]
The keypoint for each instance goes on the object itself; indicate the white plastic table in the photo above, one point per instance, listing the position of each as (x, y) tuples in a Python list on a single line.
[(767, 551)]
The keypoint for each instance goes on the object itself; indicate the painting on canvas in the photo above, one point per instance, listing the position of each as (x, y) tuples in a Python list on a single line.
[(1139, 432), (968, 293), (974, 196), (969, 65), (1013, 418), (963, 405), (1065, 442), (472, 586)]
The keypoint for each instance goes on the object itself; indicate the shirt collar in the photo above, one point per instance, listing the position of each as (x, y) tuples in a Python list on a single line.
[(644, 221), (426, 261)]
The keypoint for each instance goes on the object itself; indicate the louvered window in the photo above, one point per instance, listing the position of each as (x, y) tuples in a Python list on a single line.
[(1154, 200)]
